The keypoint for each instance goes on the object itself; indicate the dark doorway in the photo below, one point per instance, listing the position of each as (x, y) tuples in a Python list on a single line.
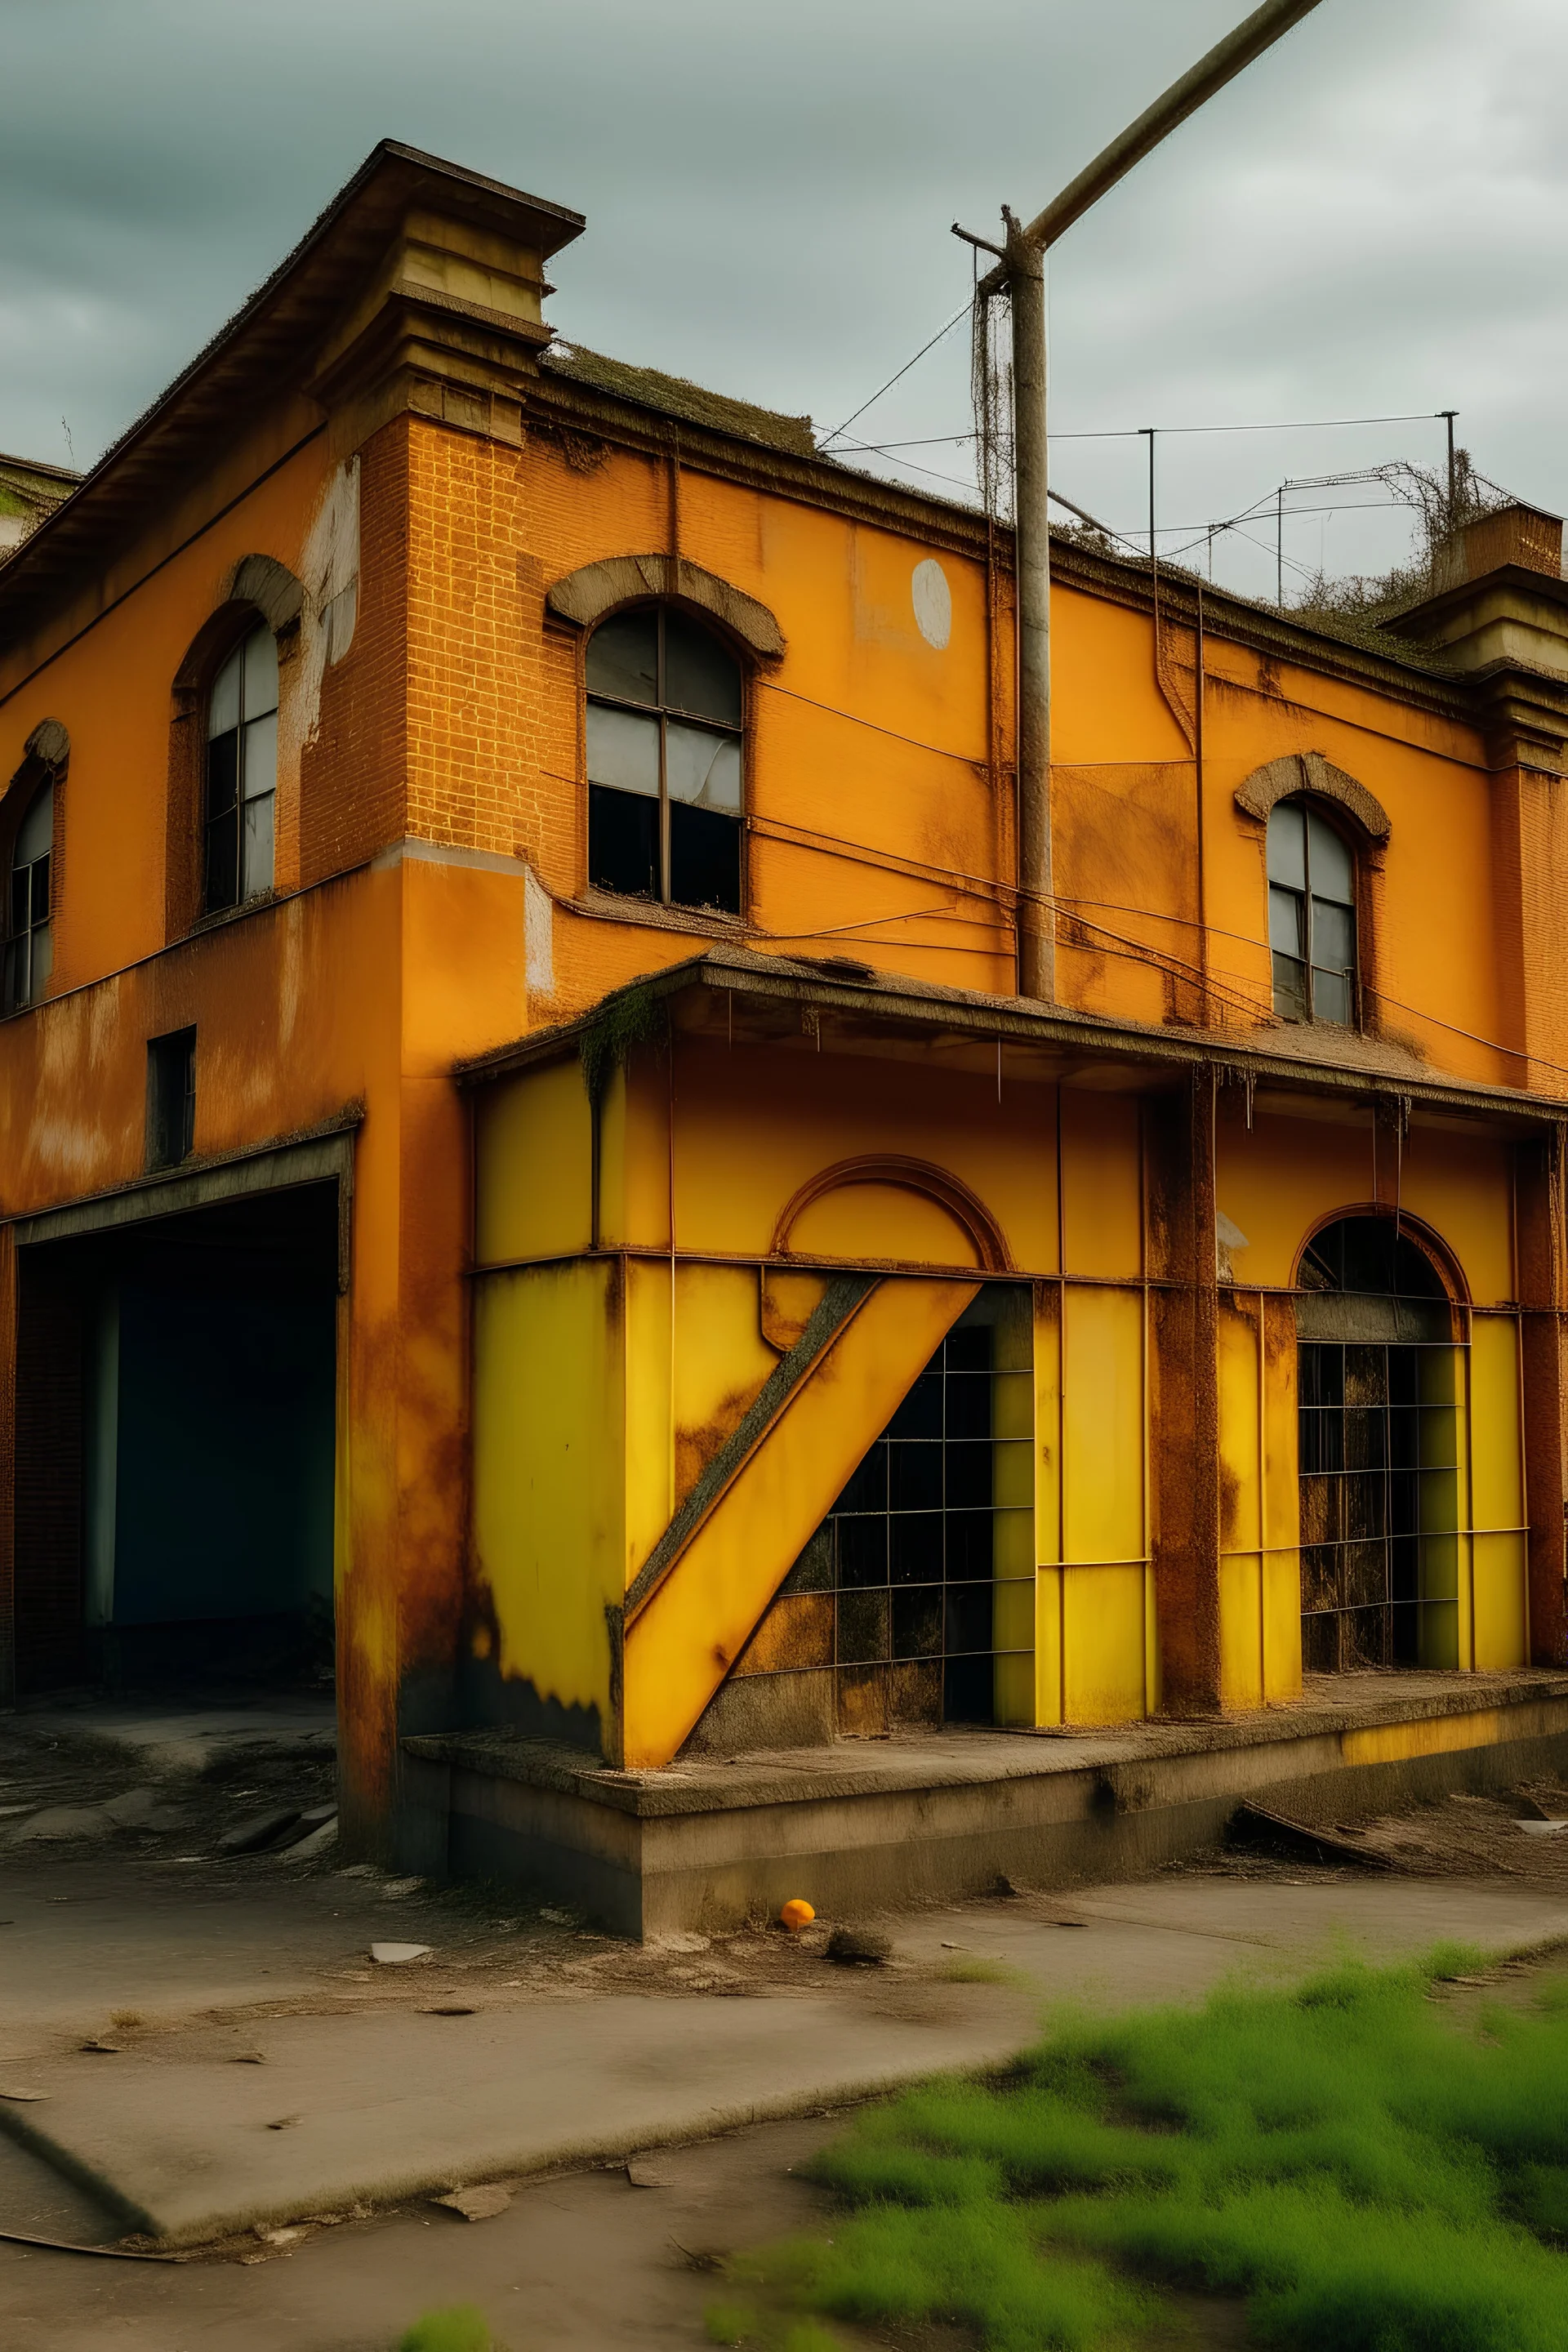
[(1379, 1371), (175, 1450)]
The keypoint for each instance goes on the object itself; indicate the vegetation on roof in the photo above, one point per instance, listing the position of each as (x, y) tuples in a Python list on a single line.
[(674, 395), (30, 487)]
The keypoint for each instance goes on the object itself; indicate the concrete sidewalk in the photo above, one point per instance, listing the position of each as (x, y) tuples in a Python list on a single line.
[(186, 2143)]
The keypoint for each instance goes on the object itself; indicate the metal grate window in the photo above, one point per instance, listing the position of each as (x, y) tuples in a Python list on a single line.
[(922, 1574), (1379, 1386)]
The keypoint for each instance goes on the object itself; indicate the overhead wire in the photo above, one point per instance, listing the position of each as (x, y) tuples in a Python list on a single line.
[(962, 312)]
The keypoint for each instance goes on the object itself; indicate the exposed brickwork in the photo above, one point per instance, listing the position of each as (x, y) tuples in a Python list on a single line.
[(494, 757), (473, 646), (351, 776)]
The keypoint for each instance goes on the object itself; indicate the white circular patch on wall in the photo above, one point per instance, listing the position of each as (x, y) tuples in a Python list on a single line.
[(932, 602)]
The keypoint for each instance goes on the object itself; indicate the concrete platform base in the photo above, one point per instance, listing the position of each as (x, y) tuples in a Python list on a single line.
[(171, 1739), (870, 1825)]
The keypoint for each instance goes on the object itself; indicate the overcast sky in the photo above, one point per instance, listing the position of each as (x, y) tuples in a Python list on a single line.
[(1374, 220)]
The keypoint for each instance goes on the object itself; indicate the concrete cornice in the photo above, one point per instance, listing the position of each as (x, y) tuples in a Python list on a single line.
[(563, 402), (265, 349)]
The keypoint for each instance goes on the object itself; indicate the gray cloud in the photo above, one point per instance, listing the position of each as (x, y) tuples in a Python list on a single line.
[(1372, 221)]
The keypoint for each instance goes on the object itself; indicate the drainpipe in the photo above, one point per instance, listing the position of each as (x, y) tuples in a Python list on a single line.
[(1020, 268)]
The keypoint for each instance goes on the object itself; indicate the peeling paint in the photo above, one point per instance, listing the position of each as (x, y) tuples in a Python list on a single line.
[(331, 590), (539, 935)]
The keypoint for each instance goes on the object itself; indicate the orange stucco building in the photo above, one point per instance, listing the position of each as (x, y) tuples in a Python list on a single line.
[(518, 1127)]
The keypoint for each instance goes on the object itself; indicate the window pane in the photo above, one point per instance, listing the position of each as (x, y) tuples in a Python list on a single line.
[(699, 674), (259, 653), (1289, 988), (36, 837), (623, 750), (915, 1541), (705, 860), (222, 888), (16, 972), (223, 709), (1285, 922), (261, 756), (702, 768), (919, 1415), (223, 771), (969, 1619), (622, 843), (862, 1552), (41, 960), (21, 900), (868, 1487), (970, 1468), (623, 656), (38, 877), (914, 1476), (1287, 846), (917, 1623), (1332, 997), (1333, 870), (258, 846), (1333, 936)]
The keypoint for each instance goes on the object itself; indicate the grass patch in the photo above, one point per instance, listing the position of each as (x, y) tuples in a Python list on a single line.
[(463, 2328), (1370, 2168), (971, 1967)]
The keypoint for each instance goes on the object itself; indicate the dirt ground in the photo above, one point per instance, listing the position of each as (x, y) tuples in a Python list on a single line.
[(317, 1918), (604, 2258)]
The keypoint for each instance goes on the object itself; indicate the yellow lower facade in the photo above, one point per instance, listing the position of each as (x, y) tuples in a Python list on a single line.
[(713, 1267)]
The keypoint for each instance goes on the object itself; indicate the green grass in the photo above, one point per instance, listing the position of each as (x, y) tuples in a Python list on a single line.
[(462, 2329), (1369, 2168), (973, 1969)]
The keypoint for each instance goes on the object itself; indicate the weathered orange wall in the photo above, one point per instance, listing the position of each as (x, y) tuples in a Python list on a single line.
[(877, 830)]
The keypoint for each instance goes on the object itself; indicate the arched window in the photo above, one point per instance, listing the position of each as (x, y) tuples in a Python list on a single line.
[(665, 708), (1312, 916), (242, 773), (1379, 1379), (28, 948)]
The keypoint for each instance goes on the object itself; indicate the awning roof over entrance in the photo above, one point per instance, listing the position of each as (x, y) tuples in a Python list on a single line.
[(835, 1004)]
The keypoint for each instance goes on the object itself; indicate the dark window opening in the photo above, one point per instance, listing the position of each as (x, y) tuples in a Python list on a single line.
[(241, 774), (664, 748), (29, 932), (171, 1098), (1312, 916)]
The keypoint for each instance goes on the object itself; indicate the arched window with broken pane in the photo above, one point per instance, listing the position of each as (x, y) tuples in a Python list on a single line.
[(664, 755), (29, 904), (241, 773), (1312, 915)]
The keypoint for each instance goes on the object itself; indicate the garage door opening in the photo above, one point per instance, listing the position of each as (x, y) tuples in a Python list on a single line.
[(175, 1451)]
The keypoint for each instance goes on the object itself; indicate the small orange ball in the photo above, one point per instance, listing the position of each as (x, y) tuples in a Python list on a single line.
[(796, 1915)]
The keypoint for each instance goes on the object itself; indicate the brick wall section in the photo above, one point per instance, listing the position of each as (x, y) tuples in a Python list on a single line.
[(49, 1482), (352, 794), (494, 696), (473, 649)]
